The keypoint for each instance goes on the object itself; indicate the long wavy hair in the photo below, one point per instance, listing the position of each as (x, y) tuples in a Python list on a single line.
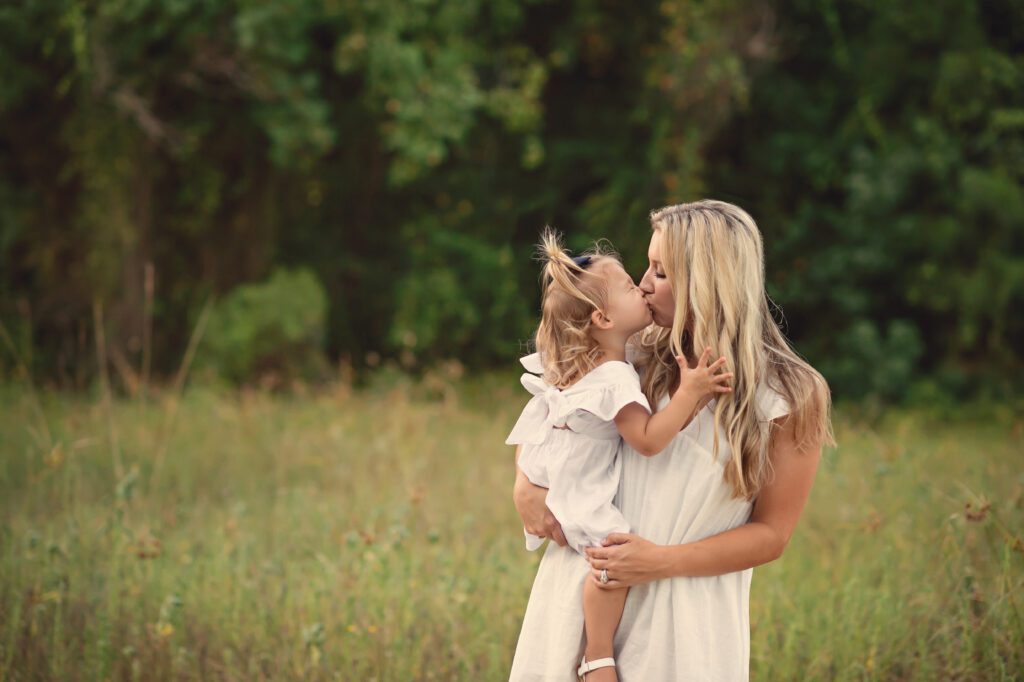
[(570, 293), (713, 257)]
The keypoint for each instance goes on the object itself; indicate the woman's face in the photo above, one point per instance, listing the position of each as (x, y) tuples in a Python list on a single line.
[(654, 284)]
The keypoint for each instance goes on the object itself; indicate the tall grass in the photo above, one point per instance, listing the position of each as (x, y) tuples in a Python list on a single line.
[(370, 535)]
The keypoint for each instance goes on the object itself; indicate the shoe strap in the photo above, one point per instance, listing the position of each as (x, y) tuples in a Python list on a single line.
[(587, 666)]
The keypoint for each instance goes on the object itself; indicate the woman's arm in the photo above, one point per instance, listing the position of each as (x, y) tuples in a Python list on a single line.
[(531, 503), (632, 560)]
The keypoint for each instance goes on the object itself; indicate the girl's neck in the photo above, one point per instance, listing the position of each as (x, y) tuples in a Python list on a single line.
[(612, 354)]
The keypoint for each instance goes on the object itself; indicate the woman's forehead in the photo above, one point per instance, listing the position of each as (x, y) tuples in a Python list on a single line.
[(654, 250)]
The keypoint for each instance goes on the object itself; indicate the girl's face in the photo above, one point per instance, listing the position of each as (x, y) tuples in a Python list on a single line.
[(627, 308), (655, 287)]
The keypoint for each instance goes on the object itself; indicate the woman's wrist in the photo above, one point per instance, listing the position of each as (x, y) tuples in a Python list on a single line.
[(669, 561), (521, 488)]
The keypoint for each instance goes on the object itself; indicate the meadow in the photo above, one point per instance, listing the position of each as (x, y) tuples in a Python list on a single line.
[(343, 534)]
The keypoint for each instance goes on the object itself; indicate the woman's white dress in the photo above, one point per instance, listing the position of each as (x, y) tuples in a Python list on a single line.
[(579, 465), (672, 629)]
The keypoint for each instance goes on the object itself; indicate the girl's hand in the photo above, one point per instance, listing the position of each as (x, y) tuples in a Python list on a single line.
[(629, 559), (702, 379), (531, 503)]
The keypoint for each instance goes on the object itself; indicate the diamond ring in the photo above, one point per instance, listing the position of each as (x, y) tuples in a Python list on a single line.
[(604, 576)]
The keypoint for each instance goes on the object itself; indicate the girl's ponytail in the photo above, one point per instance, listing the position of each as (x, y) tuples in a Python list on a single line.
[(572, 289)]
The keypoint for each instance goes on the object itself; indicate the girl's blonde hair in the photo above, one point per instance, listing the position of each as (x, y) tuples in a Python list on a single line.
[(570, 293), (713, 256)]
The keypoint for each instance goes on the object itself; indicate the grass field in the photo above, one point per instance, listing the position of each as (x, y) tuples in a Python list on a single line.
[(370, 535)]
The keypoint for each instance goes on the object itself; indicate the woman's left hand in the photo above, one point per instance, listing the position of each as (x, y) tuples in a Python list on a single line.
[(629, 559)]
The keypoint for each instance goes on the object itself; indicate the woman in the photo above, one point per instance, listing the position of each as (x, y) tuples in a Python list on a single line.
[(723, 497)]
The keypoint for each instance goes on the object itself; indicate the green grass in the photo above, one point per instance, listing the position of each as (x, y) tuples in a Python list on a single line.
[(370, 536)]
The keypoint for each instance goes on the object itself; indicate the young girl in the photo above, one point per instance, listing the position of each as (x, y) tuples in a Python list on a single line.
[(586, 399)]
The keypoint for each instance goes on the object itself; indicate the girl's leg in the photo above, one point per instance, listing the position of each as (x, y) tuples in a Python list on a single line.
[(602, 610)]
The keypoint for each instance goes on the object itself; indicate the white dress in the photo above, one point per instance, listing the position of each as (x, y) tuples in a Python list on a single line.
[(673, 629), (579, 465)]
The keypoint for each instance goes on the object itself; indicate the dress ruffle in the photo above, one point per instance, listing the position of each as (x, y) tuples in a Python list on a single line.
[(602, 395), (771, 404)]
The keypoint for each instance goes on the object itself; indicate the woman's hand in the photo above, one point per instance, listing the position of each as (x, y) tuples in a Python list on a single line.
[(629, 559), (530, 501)]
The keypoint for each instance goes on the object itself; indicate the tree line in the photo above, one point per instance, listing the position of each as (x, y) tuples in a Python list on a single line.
[(339, 181)]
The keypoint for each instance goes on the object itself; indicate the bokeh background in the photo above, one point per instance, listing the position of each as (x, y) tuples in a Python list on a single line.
[(266, 268)]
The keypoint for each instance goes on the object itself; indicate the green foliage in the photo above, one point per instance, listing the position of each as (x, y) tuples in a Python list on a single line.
[(409, 153), (457, 287), (277, 324), (867, 358), (889, 178)]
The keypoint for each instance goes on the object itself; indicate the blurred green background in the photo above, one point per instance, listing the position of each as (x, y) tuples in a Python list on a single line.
[(266, 268), (348, 184)]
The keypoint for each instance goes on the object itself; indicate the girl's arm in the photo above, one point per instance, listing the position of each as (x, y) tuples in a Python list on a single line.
[(632, 560), (531, 503), (650, 434)]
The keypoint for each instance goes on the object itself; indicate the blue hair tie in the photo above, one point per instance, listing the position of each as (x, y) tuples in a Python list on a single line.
[(582, 261)]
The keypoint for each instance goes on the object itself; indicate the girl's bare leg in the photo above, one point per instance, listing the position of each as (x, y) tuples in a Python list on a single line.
[(602, 610)]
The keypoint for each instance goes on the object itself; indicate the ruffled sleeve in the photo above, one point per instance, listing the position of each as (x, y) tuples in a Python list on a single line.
[(618, 386), (771, 404), (603, 394)]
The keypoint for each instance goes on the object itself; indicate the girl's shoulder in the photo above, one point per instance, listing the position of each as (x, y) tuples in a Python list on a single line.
[(612, 372), (609, 372)]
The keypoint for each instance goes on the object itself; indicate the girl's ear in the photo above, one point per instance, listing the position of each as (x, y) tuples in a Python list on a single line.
[(600, 320)]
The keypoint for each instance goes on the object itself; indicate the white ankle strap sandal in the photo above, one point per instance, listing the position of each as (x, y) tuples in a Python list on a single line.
[(586, 666)]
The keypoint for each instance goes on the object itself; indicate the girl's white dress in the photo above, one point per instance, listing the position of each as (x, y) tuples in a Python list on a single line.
[(672, 629), (579, 464)]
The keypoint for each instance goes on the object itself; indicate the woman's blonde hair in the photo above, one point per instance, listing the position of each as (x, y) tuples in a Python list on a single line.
[(713, 256), (570, 293)]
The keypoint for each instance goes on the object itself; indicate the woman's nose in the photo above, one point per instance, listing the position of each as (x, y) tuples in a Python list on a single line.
[(645, 284)]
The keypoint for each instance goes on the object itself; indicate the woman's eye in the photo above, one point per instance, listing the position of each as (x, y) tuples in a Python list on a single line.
[(659, 275)]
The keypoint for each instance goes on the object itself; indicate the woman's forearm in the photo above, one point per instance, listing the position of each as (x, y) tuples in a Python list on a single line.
[(738, 549), (772, 521), (521, 479), (531, 502), (633, 560)]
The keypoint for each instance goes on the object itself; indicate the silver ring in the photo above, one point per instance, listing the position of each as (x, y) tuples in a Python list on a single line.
[(604, 576)]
